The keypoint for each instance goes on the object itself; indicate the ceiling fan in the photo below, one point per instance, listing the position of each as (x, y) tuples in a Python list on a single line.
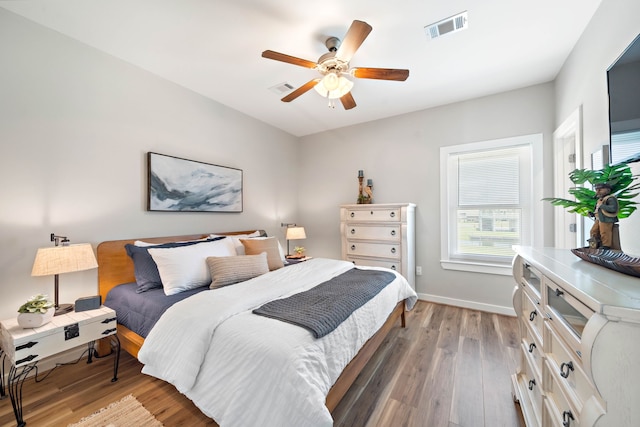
[(334, 66)]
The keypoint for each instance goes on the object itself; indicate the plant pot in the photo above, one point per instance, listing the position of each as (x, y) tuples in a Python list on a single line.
[(34, 320)]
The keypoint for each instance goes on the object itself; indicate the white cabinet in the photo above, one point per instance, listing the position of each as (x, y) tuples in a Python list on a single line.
[(380, 235), (579, 362)]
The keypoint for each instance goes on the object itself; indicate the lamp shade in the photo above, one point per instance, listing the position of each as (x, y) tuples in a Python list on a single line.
[(295, 233), (64, 259), (333, 86)]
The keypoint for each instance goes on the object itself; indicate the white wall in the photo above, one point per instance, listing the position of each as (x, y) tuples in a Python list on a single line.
[(401, 155), (75, 127), (583, 81)]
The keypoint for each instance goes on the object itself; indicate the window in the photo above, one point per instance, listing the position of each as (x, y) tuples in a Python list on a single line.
[(486, 203)]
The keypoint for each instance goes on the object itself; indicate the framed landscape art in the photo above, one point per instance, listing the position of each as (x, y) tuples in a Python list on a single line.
[(181, 185)]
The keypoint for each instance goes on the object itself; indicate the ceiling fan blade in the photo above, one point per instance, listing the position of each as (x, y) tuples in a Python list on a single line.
[(302, 89), (277, 56), (356, 34), (381, 73), (347, 101)]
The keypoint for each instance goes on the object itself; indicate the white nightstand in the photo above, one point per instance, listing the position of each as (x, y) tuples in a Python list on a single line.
[(25, 347)]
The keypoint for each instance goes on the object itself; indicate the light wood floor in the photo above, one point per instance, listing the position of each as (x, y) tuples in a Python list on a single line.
[(450, 367)]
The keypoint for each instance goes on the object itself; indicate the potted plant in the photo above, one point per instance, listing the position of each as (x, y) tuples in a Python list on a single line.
[(618, 176), (299, 250), (37, 311)]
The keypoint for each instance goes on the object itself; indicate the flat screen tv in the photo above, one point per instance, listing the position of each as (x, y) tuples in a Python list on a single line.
[(623, 79)]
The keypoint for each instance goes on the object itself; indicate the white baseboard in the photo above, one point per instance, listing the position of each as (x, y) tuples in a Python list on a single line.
[(498, 309)]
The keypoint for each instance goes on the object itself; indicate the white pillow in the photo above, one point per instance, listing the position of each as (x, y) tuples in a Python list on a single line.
[(185, 267), (236, 240)]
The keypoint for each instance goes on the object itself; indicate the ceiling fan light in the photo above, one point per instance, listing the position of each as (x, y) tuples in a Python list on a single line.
[(331, 81), (343, 86)]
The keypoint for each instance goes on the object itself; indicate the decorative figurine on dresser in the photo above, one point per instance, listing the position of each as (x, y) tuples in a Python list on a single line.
[(380, 235), (365, 193), (579, 358)]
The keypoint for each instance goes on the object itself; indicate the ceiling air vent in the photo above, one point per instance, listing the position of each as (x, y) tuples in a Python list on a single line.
[(449, 25), (281, 88)]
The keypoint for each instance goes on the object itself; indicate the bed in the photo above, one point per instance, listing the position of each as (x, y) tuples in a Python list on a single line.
[(116, 268)]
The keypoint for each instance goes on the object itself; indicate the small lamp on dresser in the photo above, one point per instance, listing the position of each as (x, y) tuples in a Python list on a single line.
[(63, 258)]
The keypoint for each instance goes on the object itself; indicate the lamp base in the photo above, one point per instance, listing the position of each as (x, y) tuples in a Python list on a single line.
[(63, 309)]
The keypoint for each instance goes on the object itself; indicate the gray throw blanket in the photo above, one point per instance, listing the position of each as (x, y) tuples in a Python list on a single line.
[(323, 308)]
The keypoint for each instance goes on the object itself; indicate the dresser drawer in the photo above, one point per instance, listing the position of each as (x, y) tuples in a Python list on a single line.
[(558, 410), (374, 214), (532, 316), (373, 232), (376, 250), (532, 348), (568, 366), (393, 265)]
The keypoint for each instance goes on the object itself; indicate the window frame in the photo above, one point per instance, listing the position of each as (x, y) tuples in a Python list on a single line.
[(448, 220)]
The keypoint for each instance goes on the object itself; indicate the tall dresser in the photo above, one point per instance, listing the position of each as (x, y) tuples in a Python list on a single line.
[(579, 341), (380, 235)]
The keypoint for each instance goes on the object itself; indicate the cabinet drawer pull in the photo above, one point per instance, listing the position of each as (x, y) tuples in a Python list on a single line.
[(532, 315), (26, 359), (109, 320), (393, 232), (559, 293), (27, 345), (531, 347), (393, 267), (108, 331), (567, 416), (531, 384), (392, 214), (353, 231), (353, 247), (371, 212), (566, 369), (393, 250), (353, 214)]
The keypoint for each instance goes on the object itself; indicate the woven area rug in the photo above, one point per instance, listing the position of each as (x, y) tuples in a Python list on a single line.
[(126, 412)]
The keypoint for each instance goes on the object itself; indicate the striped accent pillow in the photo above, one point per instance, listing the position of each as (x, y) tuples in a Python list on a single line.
[(233, 269)]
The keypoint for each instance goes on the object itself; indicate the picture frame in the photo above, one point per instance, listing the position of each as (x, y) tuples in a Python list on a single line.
[(182, 185)]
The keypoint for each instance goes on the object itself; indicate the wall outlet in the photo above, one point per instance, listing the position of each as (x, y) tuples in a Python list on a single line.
[(418, 271)]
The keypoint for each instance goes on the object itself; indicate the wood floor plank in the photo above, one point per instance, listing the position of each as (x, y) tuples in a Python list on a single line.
[(449, 365)]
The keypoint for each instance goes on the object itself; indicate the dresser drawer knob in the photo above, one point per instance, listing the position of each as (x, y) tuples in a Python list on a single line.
[(393, 232), (566, 369), (559, 293), (532, 315), (353, 247), (567, 416), (531, 384), (393, 267), (371, 212), (27, 345), (392, 214), (531, 347), (393, 250), (353, 214), (353, 231)]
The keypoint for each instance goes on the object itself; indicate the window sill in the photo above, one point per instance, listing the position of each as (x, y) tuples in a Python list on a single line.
[(477, 267)]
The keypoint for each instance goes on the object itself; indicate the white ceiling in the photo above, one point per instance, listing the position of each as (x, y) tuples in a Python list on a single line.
[(213, 47)]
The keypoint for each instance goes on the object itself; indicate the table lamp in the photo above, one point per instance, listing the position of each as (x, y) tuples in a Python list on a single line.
[(63, 258), (294, 233)]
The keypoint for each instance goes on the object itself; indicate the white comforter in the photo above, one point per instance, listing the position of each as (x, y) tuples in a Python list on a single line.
[(246, 370)]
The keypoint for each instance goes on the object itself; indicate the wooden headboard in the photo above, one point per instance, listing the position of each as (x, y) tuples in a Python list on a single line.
[(115, 267)]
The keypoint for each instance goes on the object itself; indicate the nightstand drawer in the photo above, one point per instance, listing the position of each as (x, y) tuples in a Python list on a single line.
[(64, 332), (371, 232)]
